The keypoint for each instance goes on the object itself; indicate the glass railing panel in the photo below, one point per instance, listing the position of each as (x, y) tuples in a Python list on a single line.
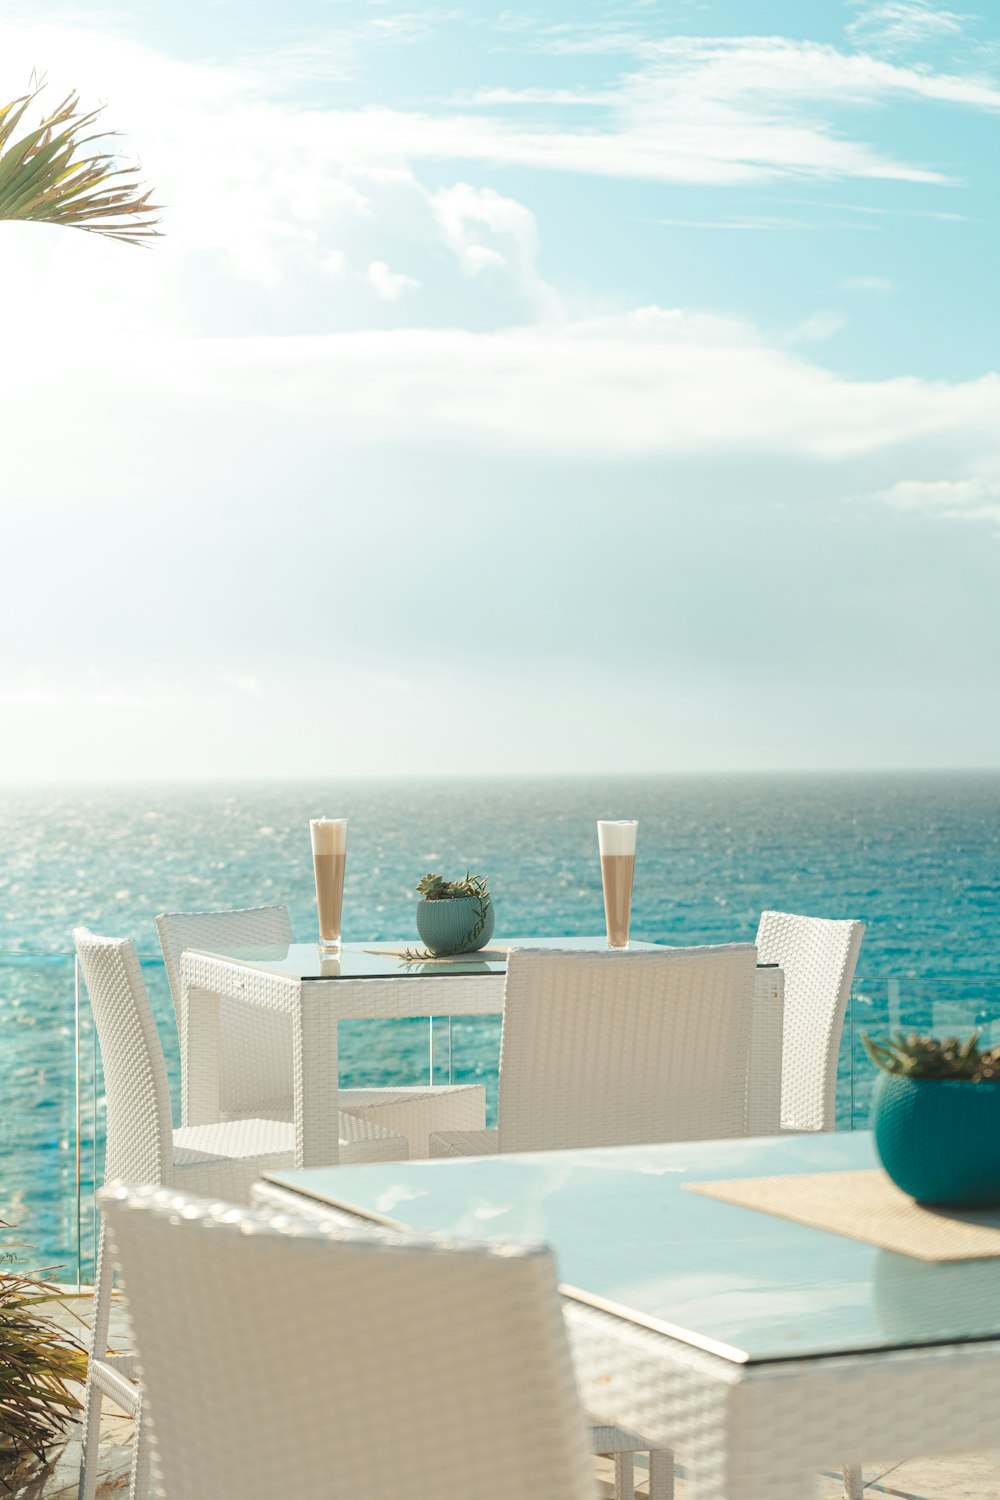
[(380, 1054), (932, 1007), (38, 1126), (53, 1120), (475, 1056)]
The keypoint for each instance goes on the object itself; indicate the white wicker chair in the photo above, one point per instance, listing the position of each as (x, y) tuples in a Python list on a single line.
[(332, 1364), (818, 957), (610, 1442), (218, 1160), (613, 1049), (256, 1051)]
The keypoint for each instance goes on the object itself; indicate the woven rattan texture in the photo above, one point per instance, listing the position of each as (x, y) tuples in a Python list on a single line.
[(139, 1143), (256, 1046), (335, 1365), (762, 1432), (280, 1202), (465, 1143), (255, 1055), (818, 957), (609, 1049), (866, 1206)]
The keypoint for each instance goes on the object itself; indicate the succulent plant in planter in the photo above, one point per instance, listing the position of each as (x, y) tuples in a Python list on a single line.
[(454, 916), (936, 1118)]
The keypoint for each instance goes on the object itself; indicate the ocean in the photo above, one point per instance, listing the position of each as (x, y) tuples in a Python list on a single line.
[(915, 855)]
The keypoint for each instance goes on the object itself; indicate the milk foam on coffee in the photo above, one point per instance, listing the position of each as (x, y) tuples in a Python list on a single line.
[(329, 835), (329, 846), (617, 838), (616, 841)]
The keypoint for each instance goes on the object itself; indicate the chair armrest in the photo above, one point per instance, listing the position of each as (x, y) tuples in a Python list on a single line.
[(464, 1143)]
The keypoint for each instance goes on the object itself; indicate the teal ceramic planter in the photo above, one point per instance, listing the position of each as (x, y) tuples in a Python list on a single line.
[(939, 1139), (447, 926)]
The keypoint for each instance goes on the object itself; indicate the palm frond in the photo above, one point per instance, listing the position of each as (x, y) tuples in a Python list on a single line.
[(49, 175)]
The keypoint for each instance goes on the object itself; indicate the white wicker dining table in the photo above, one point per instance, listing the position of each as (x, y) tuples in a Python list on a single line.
[(763, 1351), (372, 982)]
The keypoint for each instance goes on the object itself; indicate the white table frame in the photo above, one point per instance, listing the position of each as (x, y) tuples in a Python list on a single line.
[(765, 1431), (758, 1431), (317, 1006)]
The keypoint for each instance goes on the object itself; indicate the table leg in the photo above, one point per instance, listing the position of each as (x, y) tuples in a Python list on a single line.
[(624, 1476), (317, 1135), (661, 1474), (199, 1057)]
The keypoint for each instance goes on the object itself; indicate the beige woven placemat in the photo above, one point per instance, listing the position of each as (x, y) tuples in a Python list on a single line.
[(495, 953), (866, 1206)]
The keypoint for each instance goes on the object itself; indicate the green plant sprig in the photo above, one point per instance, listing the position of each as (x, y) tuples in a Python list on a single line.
[(39, 1362), (54, 175), (912, 1056), (436, 888)]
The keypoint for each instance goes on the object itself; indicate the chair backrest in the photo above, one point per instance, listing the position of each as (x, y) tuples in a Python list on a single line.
[(818, 957), (284, 1358), (255, 1047), (251, 927), (612, 1049), (139, 1125)]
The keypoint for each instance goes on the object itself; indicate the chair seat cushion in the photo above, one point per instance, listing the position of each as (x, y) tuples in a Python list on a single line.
[(232, 1140)]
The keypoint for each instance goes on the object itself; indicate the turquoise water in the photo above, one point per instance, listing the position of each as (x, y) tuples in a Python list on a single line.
[(916, 856)]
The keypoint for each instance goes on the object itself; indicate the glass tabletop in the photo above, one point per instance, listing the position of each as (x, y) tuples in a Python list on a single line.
[(386, 961), (628, 1238)]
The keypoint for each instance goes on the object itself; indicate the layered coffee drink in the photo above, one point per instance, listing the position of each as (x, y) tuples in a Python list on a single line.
[(617, 845), (329, 846)]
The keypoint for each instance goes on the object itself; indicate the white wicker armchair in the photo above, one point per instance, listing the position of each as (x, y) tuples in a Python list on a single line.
[(218, 1160), (818, 957), (256, 1045), (332, 1364), (613, 1049)]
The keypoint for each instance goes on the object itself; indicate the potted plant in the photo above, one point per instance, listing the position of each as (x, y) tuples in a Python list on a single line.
[(39, 1366), (936, 1118), (454, 916)]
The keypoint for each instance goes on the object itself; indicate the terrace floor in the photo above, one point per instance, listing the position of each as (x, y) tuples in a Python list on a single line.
[(974, 1476)]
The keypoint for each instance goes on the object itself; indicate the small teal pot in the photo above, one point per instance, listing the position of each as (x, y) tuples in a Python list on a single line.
[(446, 926), (939, 1138)]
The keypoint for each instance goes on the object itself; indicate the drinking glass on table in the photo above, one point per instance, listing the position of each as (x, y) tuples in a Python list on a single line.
[(616, 841), (329, 846)]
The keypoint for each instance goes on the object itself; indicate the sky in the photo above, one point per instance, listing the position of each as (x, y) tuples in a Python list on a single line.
[(541, 388)]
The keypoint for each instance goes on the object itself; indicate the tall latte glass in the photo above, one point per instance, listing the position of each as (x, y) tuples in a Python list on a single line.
[(616, 842), (329, 846)]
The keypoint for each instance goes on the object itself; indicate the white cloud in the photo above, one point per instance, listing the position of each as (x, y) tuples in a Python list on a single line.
[(263, 183), (973, 498), (816, 328), (389, 285), (903, 23), (488, 232), (334, 263), (632, 386)]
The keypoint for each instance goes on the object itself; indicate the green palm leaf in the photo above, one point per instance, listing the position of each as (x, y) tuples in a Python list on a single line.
[(50, 176)]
